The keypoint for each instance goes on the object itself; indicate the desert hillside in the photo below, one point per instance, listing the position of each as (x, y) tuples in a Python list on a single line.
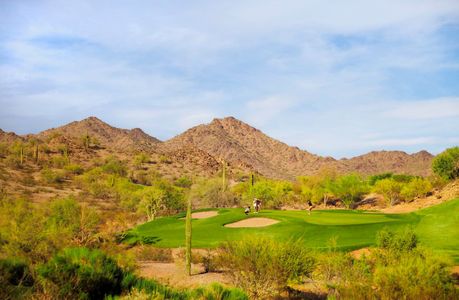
[(241, 144), (201, 149)]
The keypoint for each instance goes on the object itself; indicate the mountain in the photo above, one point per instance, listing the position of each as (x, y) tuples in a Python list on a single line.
[(9, 137), (200, 150), (242, 145), (389, 161), (108, 136)]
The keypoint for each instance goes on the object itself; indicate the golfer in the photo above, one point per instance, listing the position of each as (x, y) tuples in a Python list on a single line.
[(256, 204), (247, 210)]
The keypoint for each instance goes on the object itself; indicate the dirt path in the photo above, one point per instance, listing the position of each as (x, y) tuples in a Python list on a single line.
[(252, 222), (174, 274)]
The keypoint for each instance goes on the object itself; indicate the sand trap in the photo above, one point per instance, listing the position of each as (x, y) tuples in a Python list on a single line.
[(252, 222), (203, 214)]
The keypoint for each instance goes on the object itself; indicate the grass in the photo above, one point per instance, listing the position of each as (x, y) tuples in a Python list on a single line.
[(437, 228)]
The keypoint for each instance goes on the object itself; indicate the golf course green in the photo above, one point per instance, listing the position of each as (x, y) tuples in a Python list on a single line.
[(436, 226)]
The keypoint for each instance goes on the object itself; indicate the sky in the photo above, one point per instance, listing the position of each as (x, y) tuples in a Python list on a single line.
[(335, 78)]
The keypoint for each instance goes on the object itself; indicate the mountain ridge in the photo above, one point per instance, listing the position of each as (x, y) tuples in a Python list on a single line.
[(242, 146)]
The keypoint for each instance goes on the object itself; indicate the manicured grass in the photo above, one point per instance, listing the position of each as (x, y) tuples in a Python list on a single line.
[(437, 227)]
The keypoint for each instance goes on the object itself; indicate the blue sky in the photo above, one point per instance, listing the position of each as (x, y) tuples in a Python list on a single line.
[(337, 79)]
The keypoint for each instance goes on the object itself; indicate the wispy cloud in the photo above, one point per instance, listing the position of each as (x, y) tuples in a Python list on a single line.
[(426, 109), (325, 77)]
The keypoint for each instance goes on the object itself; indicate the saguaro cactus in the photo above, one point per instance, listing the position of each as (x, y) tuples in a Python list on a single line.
[(188, 238), (224, 175), (252, 179), (36, 153), (21, 154)]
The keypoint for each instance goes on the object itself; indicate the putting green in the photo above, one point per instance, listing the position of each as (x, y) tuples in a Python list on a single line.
[(437, 227)]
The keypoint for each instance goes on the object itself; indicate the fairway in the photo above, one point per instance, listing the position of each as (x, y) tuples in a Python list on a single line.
[(437, 227)]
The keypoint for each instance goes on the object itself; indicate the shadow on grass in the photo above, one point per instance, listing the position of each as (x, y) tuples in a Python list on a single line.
[(133, 239)]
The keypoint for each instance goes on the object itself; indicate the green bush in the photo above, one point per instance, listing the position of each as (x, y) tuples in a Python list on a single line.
[(74, 169), (184, 182), (375, 178), (51, 176), (80, 273), (15, 272), (397, 269), (405, 240), (59, 161), (349, 188), (114, 166), (15, 279), (263, 267), (446, 164), (389, 188), (417, 187)]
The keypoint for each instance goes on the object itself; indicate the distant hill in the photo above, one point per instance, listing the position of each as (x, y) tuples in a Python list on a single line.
[(201, 149), (241, 144), (108, 136)]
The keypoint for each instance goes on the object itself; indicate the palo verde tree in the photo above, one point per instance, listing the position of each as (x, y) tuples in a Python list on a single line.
[(349, 188), (446, 164)]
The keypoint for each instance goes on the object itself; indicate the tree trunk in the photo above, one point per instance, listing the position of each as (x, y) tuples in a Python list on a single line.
[(188, 238)]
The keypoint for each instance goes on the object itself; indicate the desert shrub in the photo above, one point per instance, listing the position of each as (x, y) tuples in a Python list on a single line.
[(74, 169), (374, 178), (70, 223), (22, 231), (446, 164), (404, 240), (140, 159), (390, 189), (80, 273), (184, 182), (15, 272), (4, 151), (12, 161), (15, 279), (114, 166), (349, 188), (28, 180), (146, 252), (212, 193), (52, 176), (263, 267), (209, 262), (397, 269), (417, 187), (403, 178), (59, 161), (218, 292), (413, 275)]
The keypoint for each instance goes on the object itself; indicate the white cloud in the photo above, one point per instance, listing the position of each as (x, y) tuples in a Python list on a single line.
[(425, 109), (259, 112)]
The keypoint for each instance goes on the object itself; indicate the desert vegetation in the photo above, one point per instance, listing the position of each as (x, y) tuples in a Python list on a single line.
[(77, 216)]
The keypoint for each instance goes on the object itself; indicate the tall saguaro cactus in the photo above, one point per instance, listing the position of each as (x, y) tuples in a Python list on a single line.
[(188, 238), (21, 154), (36, 153), (252, 179), (224, 175)]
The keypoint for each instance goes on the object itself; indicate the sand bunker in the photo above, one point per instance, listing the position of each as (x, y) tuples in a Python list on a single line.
[(252, 222), (203, 214)]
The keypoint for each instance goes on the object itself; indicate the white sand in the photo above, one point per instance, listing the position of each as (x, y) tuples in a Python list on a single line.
[(252, 222), (203, 214)]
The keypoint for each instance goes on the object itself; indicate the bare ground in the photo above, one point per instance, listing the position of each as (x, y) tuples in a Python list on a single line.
[(174, 274)]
